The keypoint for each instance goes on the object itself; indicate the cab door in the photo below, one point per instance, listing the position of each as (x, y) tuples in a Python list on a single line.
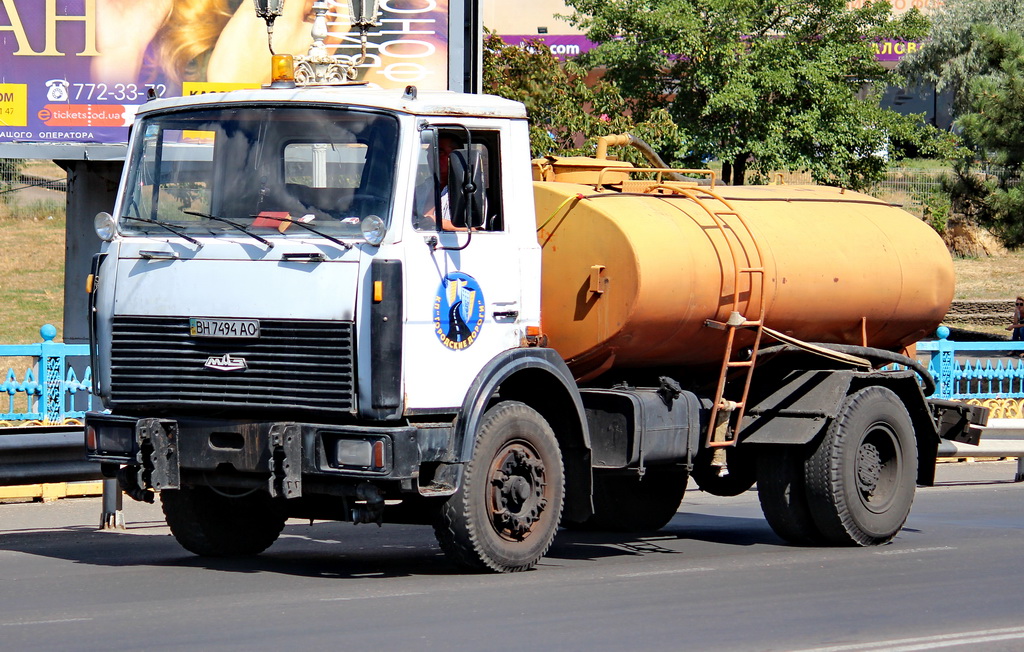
[(463, 290)]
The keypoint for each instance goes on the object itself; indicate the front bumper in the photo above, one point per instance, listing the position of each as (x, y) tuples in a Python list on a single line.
[(285, 455)]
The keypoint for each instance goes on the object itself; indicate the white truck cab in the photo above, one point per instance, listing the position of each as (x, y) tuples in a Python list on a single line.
[(278, 306), (258, 204)]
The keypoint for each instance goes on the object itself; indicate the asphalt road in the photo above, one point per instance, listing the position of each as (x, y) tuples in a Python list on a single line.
[(715, 578)]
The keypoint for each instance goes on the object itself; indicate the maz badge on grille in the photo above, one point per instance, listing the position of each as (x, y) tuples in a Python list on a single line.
[(226, 363)]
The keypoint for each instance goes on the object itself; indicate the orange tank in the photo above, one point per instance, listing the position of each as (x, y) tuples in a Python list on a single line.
[(631, 276)]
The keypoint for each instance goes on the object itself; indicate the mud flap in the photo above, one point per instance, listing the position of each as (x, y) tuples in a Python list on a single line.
[(285, 461), (958, 421), (157, 440)]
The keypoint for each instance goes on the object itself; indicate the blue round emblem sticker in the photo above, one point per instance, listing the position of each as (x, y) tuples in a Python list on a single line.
[(458, 311)]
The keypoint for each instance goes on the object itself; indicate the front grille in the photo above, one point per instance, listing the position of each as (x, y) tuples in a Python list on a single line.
[(292, 365)]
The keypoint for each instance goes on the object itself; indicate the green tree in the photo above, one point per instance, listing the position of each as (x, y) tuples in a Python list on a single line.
[(987, 183), (769, 84), (952, 55), (566, 111)]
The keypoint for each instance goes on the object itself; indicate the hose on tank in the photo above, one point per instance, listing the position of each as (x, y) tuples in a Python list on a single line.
[(648, 152)]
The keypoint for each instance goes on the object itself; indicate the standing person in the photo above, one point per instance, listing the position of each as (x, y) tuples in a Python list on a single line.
[(1017, 327)]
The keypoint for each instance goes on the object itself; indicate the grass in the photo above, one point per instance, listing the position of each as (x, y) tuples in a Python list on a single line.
[(993, 277), (31, 281), (997, 277), (31, 270)]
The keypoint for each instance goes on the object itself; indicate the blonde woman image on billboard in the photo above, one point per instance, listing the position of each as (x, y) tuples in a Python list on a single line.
[(194, 40), (225, 41)]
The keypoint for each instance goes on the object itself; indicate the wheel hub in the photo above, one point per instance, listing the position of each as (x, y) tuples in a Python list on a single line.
[(877, 468), (869, 468), (517, 491)]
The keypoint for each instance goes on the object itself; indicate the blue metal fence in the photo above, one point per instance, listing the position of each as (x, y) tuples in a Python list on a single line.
[(975, 370), (48, 387), (962, 370)]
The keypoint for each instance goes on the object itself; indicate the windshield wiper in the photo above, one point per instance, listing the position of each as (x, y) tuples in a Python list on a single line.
[(270, 245), (177, 232), (307, 227)]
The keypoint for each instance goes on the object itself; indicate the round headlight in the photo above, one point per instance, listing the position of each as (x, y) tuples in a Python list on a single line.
[(105, 226), (373, 229)]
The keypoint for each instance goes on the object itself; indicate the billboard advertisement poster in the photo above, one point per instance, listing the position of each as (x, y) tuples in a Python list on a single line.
[(75, 71)]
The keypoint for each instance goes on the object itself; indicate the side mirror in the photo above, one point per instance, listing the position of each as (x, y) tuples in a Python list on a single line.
[(467, 194)]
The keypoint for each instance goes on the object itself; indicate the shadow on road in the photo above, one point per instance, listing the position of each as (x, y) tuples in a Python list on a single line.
[(341, 550), (672, 539), (320, 550)]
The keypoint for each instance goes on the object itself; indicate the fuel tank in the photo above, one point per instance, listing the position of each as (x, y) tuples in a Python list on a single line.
[(633, 273)]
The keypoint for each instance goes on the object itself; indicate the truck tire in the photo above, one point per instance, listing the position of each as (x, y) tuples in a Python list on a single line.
[(630, 503), (741, 477), (862, 475), (505, 515), (211, 524), (783, 496)]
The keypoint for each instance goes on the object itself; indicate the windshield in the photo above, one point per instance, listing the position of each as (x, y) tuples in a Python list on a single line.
[(260, 167)]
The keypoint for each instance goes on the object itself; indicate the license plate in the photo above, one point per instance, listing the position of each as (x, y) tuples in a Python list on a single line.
[(243, 328)]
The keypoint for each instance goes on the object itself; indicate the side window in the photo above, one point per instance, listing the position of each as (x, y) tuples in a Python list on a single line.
[(474, 148)]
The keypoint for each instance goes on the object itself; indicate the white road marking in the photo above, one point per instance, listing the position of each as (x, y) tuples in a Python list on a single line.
[(19, 623), (908, 551), (373, 597), (929, 642), (671, 571)]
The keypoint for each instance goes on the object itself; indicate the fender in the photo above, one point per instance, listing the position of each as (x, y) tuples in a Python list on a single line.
[(539, 378)]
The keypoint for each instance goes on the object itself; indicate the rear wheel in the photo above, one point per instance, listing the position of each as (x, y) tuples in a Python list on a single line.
[(631, 503), (214, 524), (783, 495), (505, 515), (862, 476)]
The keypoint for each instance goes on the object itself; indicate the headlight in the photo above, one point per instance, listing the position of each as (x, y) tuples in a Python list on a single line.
[(105, 226), (373, 229)]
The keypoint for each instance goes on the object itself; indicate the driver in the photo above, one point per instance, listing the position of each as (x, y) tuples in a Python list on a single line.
[(425, 208)]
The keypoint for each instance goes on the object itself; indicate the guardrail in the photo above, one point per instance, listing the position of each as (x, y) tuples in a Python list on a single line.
[(1000, 438), (43, 454), (48, 387), (960, 375)]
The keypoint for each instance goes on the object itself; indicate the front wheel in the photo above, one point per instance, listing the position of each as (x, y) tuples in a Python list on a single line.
[(861, 477), (505, 515), (216, 524)]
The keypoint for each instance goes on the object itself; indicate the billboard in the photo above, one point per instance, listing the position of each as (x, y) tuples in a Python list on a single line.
[(75, 71)]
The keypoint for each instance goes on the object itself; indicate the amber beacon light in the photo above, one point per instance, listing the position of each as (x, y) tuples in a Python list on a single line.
[(282, 68), (320, 65)]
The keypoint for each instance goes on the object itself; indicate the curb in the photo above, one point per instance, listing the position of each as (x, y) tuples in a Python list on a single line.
[(51, 491)]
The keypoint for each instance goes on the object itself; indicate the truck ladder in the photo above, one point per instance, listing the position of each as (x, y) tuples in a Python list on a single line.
[(725, 434)]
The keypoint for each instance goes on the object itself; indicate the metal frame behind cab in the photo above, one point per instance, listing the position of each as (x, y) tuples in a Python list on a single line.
[(465, 46)]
